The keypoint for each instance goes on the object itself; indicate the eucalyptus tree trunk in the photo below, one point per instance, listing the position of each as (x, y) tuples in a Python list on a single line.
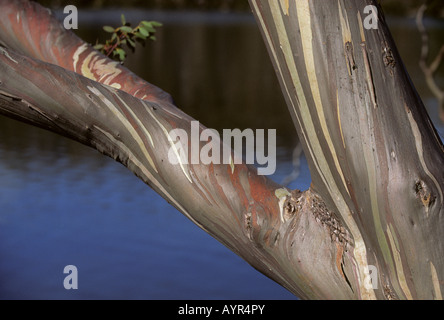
[(376, 200), (374, 155)]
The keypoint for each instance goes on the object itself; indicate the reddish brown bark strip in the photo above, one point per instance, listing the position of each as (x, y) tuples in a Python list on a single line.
[(33, 30)]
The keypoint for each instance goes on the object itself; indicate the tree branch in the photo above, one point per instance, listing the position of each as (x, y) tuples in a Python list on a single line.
[(30, 29), (241, 209)]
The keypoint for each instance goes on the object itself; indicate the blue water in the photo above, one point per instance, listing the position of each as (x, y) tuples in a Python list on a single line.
[(124, 239)]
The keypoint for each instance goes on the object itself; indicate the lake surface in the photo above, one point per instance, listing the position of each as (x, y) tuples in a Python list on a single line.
[(65, 204)]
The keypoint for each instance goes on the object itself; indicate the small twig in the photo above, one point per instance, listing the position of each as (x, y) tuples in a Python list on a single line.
[(126, 35), (110, 50), (431, 69), (435, 64)]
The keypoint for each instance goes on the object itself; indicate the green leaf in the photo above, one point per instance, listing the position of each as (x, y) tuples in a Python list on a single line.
[(108, 29), (150, 30), (146, 23), (126, 29), (131, 43), (121, 53), (140, 36), (151, 23), (144, 32), (153, 38), (127, 35), (148, 27)]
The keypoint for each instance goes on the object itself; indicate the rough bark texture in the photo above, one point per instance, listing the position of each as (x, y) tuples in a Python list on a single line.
[(374, 156)]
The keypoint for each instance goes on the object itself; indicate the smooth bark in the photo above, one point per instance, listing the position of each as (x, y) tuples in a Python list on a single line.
[(374, 155), (376, 161)]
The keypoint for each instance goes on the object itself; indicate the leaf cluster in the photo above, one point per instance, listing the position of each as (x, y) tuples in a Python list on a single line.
[(126, 35)]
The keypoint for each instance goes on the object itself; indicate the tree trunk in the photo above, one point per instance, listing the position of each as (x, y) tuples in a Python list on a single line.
[(374, 155), (373, 202)]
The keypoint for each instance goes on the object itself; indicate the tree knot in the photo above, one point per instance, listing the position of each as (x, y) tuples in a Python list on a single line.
[(292, 204)]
